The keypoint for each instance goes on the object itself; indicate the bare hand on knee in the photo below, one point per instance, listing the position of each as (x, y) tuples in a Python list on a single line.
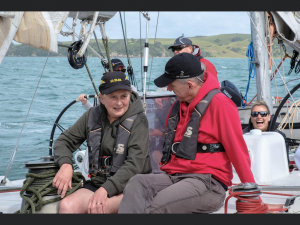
[(97, 203), (63, 179)]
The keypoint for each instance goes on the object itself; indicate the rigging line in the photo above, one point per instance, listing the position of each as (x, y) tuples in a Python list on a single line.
[(288, 116), (272, 59), (289, 81), (129, 61), (153, 48), (132, 79), (96, 39), (101, 53), (124, 37), (15, 149), (141, 52)]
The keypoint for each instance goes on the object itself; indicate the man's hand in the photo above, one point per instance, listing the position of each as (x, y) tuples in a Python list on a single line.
[(98, 201), (63, 179), (82, 99)]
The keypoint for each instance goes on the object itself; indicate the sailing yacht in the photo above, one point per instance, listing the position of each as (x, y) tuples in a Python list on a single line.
[(278, 183)]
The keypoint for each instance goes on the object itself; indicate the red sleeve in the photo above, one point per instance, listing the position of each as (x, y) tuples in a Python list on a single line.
[(210, 67), (230, 134)]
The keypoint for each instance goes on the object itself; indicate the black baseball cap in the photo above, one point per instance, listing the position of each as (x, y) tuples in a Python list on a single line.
[(181, 66), (181, 41), (116, 63), (113, 81)]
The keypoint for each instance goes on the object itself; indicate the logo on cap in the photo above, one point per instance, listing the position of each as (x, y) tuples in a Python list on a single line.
[(180, 40), (115, 80), (102, 82), (182, 73), (113, 64)]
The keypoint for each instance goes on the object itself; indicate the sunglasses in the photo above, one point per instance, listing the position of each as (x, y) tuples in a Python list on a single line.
[(122, 70), (262, 113), (179, 48)]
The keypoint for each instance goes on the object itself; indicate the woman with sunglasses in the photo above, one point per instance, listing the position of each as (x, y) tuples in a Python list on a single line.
[(260, 118), (117, 65)]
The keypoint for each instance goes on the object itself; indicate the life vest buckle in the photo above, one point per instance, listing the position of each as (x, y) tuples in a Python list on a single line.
[(175, 144)]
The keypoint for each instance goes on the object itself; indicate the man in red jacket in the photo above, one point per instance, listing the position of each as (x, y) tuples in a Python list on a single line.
[(203, 138), (183, 44)]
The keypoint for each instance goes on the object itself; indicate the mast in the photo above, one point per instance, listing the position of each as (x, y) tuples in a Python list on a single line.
[(258, 34)]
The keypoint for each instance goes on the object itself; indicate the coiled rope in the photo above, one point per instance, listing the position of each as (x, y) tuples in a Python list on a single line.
[(251, 60), (247, 204), (41, 185)]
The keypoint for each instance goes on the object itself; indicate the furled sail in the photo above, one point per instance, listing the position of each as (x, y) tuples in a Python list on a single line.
[(288, 27), (9, 24), (40, 29)]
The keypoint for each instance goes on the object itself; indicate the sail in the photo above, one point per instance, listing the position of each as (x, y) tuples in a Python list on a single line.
[(288, 27), (7, 14), (9, 24), (40, 29)]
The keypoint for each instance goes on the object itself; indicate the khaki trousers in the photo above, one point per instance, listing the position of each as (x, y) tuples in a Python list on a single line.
[(179, 193)]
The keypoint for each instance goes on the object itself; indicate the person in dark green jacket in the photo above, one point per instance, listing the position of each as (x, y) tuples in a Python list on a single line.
[(111, 163)]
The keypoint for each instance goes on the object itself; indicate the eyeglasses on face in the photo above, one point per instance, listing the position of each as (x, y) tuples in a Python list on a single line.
[(262, 113), (179, 48), (122, 70)]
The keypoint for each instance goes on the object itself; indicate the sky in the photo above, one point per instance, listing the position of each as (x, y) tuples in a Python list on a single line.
[(173, 24)]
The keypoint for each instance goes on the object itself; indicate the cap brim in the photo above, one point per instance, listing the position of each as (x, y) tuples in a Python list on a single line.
[(175, 45), (117, 87), (163, 81)]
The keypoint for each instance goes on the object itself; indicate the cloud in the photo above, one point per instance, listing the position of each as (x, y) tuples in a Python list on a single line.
[(173, 24)]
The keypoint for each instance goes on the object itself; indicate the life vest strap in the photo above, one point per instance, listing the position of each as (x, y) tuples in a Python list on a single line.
[(203, 148)]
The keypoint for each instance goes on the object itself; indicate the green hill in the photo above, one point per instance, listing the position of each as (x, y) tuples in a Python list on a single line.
[(220, 46)]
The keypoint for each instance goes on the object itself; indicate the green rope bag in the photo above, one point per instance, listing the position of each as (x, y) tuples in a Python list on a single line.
[(41, 185)]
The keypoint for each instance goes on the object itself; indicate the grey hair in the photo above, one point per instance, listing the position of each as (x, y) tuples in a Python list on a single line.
[(260, 103), (198, 79)]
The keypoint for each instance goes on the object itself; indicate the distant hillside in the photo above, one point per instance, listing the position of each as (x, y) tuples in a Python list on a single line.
[(219, 46)]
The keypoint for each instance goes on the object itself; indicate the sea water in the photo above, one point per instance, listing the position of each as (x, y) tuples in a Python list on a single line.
[(60, 84)]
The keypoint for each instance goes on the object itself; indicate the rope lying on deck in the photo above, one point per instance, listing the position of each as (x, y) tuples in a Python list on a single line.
[(41, 185)]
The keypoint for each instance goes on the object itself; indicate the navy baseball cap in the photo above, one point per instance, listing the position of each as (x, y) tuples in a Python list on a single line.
[(181, 41), (113, 81), (116, 63), (181, 66)]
